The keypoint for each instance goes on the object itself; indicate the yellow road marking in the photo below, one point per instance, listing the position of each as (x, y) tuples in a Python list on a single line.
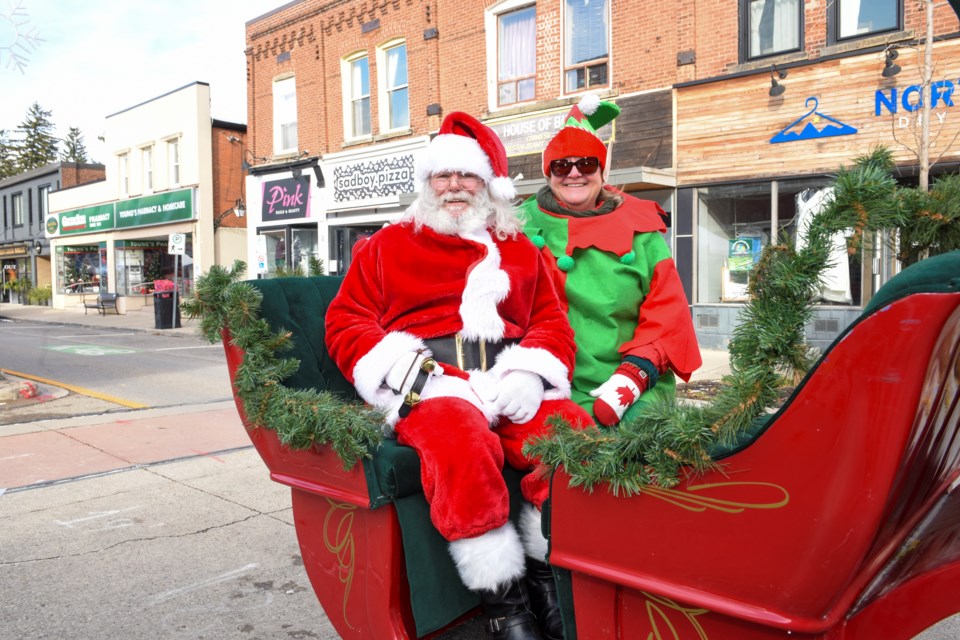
[(80, 390)]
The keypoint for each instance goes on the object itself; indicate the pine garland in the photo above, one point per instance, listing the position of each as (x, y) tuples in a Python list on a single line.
[(301, 418), (668, 439), (768, 349)]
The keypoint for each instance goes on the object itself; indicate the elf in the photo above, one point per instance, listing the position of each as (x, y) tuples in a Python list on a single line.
[(613, 269)]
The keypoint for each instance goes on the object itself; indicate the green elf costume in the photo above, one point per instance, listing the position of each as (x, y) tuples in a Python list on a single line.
[(616, 280)]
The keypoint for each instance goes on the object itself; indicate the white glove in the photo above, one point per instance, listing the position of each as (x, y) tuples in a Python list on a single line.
[(517, 396), (616, 395), (404, 372)]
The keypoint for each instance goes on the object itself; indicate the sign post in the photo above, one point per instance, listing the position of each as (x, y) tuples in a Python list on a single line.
[(176, 246)]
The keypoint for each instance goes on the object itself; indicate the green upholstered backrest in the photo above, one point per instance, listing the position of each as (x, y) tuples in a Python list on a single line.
[(299, 305)]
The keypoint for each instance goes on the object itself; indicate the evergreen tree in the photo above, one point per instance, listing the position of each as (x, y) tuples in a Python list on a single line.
[(8, 160), (74, 150), (39, 146)]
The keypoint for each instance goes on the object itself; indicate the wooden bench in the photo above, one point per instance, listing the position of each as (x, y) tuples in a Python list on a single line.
[(102, 302)]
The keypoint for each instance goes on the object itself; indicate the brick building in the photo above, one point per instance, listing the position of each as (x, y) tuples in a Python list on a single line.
[(715, 97)]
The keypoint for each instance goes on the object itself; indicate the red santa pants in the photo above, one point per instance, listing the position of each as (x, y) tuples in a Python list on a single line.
[(461, 460)]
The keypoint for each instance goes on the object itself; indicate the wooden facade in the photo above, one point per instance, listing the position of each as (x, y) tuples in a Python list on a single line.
[(726, 128)]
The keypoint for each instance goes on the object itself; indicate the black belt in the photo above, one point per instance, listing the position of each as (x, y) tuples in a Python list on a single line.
[(467, 355)]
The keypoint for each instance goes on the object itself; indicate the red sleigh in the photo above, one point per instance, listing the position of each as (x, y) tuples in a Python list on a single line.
[(840, 518)]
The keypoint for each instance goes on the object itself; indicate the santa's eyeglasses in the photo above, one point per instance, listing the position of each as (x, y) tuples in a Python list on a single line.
[(465, 180), (586, 166)]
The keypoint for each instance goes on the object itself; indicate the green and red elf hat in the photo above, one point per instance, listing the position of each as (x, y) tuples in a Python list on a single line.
[(578, 135)]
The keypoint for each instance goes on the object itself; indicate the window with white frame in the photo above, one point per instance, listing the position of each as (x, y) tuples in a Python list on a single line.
[(586, 32), (123, 166), (770, 27), (860, 18), (516, 55), (173, 162), (146, 157), (356, 94), (284, 116), (16, 202), (394, 99)]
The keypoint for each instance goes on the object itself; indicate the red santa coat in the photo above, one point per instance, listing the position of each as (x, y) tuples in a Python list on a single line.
[(408, 285)]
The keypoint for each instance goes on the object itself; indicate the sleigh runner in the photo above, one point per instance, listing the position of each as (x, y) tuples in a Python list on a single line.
[(837, 518)]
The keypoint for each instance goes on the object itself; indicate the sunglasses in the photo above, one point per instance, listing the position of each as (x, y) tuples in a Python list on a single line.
[(586, 166)]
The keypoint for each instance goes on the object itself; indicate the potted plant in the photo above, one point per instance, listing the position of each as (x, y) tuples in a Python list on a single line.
[(40, 295)]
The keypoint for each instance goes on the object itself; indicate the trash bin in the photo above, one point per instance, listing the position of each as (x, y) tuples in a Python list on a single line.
[(163, 310)]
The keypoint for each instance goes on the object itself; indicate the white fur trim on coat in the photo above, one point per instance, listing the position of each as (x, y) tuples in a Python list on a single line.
[(487, 286), (453, 152), (531, 529), (489, 560), (371, 370), (538, 361)]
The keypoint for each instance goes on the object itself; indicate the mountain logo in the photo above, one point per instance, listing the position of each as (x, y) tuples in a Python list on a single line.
[(811, 126)]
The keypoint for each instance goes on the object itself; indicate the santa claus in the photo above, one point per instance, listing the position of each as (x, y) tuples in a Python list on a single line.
[(449, 323)]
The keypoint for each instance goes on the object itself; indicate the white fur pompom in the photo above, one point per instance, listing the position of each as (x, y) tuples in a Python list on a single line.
[(503, 189), (589, 103)]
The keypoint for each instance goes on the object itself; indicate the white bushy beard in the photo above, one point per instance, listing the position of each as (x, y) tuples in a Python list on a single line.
[(428, 211)]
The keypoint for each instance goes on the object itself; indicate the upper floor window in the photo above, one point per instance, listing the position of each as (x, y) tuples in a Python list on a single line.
[(146, 155), (284, 116), (770, 27), (43, 194), (517, 56), (173, 162), (394, 100), (123, 165), (357, 96), (16, 202), (586, 38), (860, 18)]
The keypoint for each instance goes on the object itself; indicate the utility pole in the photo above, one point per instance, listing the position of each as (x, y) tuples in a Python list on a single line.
[(927, 84)]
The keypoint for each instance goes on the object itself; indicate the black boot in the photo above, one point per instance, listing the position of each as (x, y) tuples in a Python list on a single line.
[(543, 596), (509, 611)]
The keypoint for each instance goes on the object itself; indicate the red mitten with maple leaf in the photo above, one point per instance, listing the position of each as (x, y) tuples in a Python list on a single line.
[(618, 394)]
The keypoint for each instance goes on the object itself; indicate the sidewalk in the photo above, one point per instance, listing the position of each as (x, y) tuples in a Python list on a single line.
[(139, 320)]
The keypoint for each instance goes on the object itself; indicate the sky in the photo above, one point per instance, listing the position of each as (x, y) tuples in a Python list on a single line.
[(83, 60)]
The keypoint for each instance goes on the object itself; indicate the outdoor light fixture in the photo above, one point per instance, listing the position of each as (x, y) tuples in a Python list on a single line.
[(38, 247), (240, 209), (889, 68), (777, 89)]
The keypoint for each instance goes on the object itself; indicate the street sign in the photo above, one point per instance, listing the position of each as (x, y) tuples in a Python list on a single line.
[(177, 244)]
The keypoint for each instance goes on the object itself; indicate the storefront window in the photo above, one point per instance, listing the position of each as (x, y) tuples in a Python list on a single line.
[(302, 249), (275, 247), (343, 240), (81, 268), (798, 202), (140, 263), (735, 224)]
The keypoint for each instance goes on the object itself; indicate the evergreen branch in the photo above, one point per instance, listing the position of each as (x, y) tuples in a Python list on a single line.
[(301, 418)]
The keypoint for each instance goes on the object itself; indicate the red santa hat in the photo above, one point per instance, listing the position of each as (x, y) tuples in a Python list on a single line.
[(578, 136), (467, 145)]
